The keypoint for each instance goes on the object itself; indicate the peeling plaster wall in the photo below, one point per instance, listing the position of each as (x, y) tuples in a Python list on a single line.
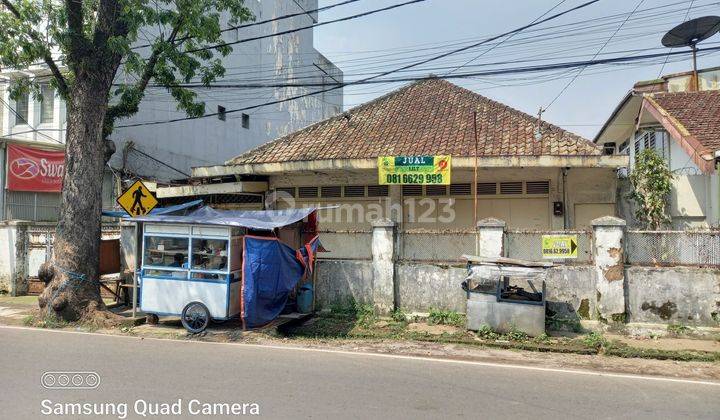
[(340, 281), (425, 286), (7, 256), (571, 292), (683, 295), (210, 141)]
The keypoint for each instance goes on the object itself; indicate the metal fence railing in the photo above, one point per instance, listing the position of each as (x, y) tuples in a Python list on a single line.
[(445, 246), (665, 248), (527, 245), (346, 245)]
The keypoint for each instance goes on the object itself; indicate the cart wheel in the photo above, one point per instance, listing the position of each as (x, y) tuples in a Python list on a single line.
[(195, 317), (151, 319)]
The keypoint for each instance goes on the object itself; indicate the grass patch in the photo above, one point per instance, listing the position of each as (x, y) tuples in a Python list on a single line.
[(443, 317), (678, 329), (595, 340), (48, 321)]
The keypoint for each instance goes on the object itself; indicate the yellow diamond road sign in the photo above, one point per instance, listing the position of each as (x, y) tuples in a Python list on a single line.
[(137, 200)]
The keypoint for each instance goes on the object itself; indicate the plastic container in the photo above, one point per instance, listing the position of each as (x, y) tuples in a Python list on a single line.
[(305, 298)]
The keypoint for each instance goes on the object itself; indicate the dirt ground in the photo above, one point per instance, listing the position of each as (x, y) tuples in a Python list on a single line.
[(14, 311)]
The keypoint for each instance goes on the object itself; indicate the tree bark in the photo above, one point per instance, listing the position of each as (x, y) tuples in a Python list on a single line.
[(72, 276)]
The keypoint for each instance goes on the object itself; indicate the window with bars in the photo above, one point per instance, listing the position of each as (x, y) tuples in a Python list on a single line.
[(354, 191), (378, 190), (22, 108), (331, 191), (48, 104), (307, 192)]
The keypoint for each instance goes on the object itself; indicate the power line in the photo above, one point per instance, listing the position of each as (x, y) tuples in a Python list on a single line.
[(594, 57), (529, 69), (315, 25), (32, 129), (687, 14), (262, 22), (501, 42), (367, 79)]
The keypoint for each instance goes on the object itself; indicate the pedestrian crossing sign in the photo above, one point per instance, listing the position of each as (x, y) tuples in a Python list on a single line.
[(137, 200)]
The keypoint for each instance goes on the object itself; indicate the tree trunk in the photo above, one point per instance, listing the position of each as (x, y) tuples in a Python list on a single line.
[(73, 286)]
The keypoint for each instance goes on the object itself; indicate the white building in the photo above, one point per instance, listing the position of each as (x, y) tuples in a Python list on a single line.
[(681, 124), (165, 152)]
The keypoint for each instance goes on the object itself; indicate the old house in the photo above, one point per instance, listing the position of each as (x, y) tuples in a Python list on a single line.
[(682, 125), (530, 173)]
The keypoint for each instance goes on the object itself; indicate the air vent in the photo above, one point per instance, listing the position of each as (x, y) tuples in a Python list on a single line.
[(286, 190), (435, 190), (487, 188), (460, 189), (377, 190), (412, 190), (307, 192), (537, 187), (354, 191), (334, 191), (511, 187)]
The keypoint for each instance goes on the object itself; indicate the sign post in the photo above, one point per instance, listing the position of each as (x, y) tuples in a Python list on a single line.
[(419, 170), (137, 200), (559, 246)]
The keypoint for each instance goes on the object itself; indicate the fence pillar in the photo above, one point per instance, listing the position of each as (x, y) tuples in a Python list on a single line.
[(609, 260), (383, 261), (491, 237), (19, 283)]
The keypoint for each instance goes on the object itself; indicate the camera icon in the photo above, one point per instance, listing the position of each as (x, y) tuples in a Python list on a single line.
[(70, 380)]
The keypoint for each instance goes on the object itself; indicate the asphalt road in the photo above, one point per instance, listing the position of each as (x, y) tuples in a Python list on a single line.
[(293, 383)]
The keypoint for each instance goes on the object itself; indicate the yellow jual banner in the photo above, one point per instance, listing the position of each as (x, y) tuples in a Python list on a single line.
[(419, 170)]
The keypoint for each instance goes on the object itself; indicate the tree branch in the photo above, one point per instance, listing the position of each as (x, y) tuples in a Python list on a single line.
[(47, 57), (125, 109)]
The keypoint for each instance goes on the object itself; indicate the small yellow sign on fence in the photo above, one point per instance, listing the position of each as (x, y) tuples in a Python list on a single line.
[(559, 246), (137, 200)]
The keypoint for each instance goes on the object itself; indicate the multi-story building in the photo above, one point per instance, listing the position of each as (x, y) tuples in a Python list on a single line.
[(680, 120), (165, 152)]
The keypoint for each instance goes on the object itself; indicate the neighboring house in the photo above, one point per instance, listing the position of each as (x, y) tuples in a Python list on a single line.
[(166, 152), (546, 180), (683, 126)]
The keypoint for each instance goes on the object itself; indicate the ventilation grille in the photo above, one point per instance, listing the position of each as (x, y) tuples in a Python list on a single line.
[(354, 191), (487, 188), (511, 187), (435, 190), (460, 189), (286, 190), (377, 190), (537, 187), (307, 192), (334, 191), (412, 190)]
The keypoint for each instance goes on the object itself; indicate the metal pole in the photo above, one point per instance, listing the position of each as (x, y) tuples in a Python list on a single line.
[(475, 182), (696, 79), (134, 294)]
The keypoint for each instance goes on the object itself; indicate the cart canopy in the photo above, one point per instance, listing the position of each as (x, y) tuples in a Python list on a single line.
[(251, 219)]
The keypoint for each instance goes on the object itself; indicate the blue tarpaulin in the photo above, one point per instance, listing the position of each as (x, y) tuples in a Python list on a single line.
[(271, 269), (156, 211)]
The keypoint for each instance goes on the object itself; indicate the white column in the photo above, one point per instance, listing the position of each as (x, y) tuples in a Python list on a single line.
[(609, 257), (383, 260), (491, 236)]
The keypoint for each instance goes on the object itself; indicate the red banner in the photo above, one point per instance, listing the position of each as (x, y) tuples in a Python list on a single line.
[(30, 169)]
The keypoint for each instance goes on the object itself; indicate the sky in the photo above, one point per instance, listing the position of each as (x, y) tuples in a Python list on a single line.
[(387, 40)]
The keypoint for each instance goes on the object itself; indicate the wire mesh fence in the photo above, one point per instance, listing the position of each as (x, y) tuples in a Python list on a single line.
[(346, 245), (437, 246), (666, 248), (527, 245)]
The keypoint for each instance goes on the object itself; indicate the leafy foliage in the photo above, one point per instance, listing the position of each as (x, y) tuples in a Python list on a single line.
[(651, 180), (445, 317), (167, 41)]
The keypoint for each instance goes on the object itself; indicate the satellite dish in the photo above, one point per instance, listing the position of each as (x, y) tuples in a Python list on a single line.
[(689, 33)]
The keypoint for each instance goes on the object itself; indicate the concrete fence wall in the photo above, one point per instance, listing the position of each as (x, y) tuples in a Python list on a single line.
[(604, 289), (24, 247)]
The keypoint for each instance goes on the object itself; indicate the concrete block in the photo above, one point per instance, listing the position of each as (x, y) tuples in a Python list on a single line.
[(484, 309)]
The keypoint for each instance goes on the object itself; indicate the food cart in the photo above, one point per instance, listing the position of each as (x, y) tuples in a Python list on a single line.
[(217, 265)]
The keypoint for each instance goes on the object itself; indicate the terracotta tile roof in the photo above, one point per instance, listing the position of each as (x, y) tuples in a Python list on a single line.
[(431, 116), (698, 112)]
